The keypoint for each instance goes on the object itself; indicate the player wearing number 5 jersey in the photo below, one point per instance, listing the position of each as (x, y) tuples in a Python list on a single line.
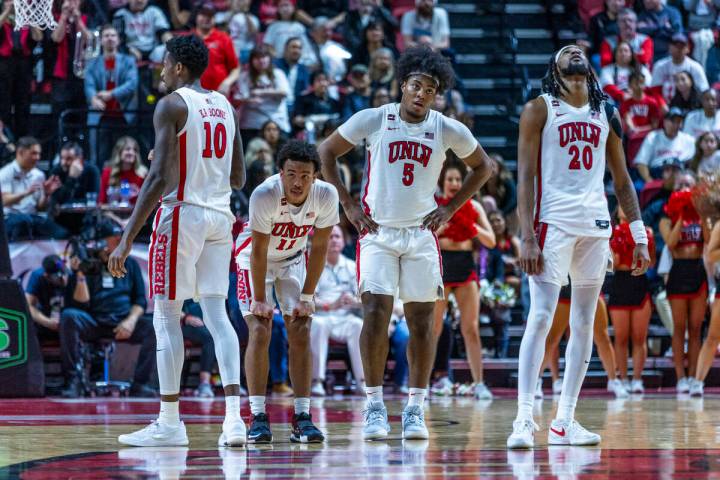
[(566, 136), (396, 218), (197, 159)]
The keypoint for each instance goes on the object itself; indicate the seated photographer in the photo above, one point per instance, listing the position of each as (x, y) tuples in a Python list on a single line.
[(105, 307), (45, 293), (195, 330)]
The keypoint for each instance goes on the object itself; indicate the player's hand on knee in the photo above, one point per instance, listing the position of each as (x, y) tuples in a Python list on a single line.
[(641, 259), (261, 309), (362, 222), (531, 260), (303, 309)]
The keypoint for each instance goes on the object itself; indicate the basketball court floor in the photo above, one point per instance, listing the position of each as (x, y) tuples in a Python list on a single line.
[(659, 435)]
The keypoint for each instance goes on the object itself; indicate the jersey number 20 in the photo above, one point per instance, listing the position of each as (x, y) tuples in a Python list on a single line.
[(587, 158), (215, 141)]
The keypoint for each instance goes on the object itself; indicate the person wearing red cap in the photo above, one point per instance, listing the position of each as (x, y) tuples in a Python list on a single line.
[(223, 67)]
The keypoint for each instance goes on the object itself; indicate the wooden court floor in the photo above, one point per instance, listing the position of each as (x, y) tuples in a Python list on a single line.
[(650, 436)]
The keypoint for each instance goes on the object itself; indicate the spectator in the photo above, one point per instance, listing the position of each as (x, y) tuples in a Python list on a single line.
[(661, 22), (399, 338), (508, 246), (178, 11), (223, 68), (45, 295), (111, 89), (67, 87), (244, 27), (664, 144), (298, 75), (604, 24), (665, 70), (324, 53), (373, 39), (359, 98), (615, 78), (78, 179), (687, 96), (194, 329), (337, 315), (263, 90), (259, 152), (702, 20), (501, 187), (285, 27), (317, 102), (712, 67), (364, 13), (143, 27), (125, 165), (705, 119), (640, 114), (706, 160), (102, 306), (382, 71), (642, 45), (426, 20), (652, 213), (380, 97), (334, 10), (266, 11), (7, 144), (270, 132), (16, 70), (25, 193)]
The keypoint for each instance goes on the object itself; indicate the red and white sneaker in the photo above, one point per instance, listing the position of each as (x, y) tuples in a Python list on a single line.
[(564, 432)]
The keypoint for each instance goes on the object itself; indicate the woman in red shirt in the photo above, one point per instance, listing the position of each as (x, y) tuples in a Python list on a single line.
[(124, 165)]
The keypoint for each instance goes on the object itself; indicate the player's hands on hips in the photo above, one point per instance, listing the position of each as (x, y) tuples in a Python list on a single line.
[(304, 309), (362, 222), (641, 259), (116, 262), (437, 218), (531, 260), (261, 309)]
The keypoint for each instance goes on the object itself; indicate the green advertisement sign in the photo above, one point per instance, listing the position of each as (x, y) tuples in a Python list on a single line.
[(13, 338)]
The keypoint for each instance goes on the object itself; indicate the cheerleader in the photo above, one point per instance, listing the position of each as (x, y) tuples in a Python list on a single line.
[(629, 303), (459, 274), (685, 234)]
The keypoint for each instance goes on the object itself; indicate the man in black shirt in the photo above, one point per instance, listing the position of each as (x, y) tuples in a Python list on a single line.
[(102, 306), (78, 179), (318, 102)]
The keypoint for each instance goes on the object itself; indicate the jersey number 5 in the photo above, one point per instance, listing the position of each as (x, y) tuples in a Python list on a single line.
[(587, 158), (408, 175), (214, 141)]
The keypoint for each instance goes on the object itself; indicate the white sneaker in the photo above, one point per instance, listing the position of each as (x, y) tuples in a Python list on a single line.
[(443, 387), (482, 392), (523, 434), (557, 386), (683, 385), (375, 421), (697, 387), (156, 435), (538, 389), (563, 432), (628, 386), (413, 423), (317, 389), (234, 433), (637, 386), (615, 386)]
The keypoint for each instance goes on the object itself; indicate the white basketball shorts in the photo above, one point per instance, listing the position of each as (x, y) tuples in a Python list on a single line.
[(400, 260), (190, 251), (586, 259), (284, 281)]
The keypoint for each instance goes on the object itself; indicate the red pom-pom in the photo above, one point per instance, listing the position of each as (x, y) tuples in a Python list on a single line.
[(462, 226), (680, 204)]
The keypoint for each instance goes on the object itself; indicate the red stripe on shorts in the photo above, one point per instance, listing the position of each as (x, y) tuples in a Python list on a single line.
[(151, 252), (173, 250), (437, 245), (542, 234), (538, 194), (183, 167)]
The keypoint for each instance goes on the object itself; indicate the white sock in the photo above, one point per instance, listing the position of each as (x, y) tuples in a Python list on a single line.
[(374, 394), (302, 405), (169, 413), (416, 396), (232, 407), (525, 406), (566, 410), (257, 404)]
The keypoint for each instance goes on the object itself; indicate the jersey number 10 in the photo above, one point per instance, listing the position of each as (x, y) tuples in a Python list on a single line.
[(587, 157), (215, 141)]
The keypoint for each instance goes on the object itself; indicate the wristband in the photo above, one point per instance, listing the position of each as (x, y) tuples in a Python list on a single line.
[(637, 230), (307, 297)]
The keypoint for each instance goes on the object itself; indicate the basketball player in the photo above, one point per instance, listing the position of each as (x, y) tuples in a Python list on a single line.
[(565, 136), (270, 259), (197, 158), (396, 219)]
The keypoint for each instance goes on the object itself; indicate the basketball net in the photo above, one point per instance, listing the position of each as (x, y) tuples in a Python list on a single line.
[(34, 13)]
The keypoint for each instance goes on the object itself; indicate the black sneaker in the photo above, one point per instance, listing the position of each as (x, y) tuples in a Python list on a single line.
[(303, 430), (259, 429)]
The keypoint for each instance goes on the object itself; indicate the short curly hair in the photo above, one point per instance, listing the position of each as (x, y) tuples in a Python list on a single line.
[(424, 59), (191, 51), (298, 151)]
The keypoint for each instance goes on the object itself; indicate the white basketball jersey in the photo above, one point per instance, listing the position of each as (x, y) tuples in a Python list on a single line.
[(571, 165), (205, 148), (288, 225)]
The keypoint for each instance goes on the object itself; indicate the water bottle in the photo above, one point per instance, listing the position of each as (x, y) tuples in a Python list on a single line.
[(124, 193), (310, 129)]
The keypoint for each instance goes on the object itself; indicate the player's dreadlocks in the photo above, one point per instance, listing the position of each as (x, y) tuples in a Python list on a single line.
[(554, 85)]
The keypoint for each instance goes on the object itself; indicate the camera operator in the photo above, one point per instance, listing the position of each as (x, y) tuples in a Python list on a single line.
[(105, 307), (46, 294)]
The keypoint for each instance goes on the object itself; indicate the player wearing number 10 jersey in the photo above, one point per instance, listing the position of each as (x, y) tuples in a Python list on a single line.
[(566, 136)]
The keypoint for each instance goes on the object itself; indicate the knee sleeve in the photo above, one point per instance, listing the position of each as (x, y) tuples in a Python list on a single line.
[(227, 347), (170, 351)]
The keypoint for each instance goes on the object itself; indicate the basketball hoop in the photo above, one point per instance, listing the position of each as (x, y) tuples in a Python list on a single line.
[(34, 13)]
